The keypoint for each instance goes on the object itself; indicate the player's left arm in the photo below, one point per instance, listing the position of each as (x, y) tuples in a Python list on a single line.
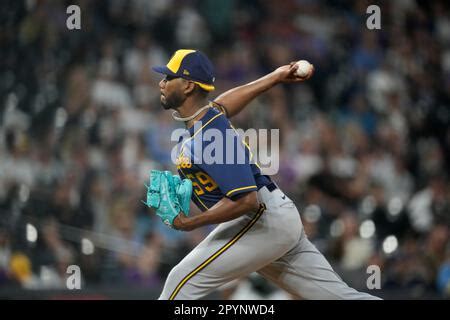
[(236, 99), (224, 210)]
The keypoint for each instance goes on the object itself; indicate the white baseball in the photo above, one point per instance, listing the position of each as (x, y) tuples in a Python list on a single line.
[(304, 68)]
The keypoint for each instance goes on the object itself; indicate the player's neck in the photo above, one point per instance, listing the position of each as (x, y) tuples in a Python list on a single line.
[(191, 107)]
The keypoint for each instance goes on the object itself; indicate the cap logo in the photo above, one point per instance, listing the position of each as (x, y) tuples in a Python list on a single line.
[(185, 72), (177, 58)]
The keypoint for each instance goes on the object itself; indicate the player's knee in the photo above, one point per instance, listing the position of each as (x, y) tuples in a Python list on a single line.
[(172, 281), (174, 276), (180, 285), (177, 275)]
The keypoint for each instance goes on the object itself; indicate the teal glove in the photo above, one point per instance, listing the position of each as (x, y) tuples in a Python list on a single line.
[(184, 193), (169, 195)]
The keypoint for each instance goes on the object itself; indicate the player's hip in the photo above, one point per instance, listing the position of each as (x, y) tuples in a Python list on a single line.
[(280, 211), (275, 200)]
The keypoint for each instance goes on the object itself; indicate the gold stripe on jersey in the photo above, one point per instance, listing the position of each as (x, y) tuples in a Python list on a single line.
[(209, 121), (239, 189), (246, 145)]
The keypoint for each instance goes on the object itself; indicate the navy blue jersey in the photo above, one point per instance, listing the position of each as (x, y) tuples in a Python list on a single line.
[(217, 172)]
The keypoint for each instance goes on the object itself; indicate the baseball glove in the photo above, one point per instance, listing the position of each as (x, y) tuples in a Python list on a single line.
[(169, 195)]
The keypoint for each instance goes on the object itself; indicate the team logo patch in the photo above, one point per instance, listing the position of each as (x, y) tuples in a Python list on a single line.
[(183, 162)]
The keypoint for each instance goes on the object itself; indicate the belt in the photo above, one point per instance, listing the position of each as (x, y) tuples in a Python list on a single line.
[(271, 186)]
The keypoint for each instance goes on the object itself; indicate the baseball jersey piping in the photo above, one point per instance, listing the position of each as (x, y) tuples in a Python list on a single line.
[(219, 252), (239, 189), (246, 145), (196, 132)]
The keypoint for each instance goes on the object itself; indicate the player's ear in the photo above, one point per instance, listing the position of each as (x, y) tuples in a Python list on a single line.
[(189, 87)]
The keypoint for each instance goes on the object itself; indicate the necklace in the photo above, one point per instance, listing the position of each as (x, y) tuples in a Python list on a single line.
[(177, 117)]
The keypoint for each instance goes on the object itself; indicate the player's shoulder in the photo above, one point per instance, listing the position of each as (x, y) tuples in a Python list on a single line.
[(218, 117), (219, 108), (221, 123)]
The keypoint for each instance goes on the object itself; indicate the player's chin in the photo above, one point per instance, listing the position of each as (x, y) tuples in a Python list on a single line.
[(164, 103)]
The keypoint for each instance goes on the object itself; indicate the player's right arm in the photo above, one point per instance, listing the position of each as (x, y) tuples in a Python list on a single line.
[(236, 99), (224, 210)]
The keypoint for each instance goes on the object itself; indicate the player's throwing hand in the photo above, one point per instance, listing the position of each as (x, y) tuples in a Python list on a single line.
[(287, 73)]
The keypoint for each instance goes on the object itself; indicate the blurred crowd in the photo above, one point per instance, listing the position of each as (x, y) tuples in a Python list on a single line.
[(365, 143)]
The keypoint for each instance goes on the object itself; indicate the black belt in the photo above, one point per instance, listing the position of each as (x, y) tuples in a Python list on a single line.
[(271, 186)]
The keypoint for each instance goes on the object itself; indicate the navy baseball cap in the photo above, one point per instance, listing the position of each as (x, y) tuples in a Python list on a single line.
[(191, 65)]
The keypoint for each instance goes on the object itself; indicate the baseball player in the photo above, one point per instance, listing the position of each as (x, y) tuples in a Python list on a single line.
[(259, 227)]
